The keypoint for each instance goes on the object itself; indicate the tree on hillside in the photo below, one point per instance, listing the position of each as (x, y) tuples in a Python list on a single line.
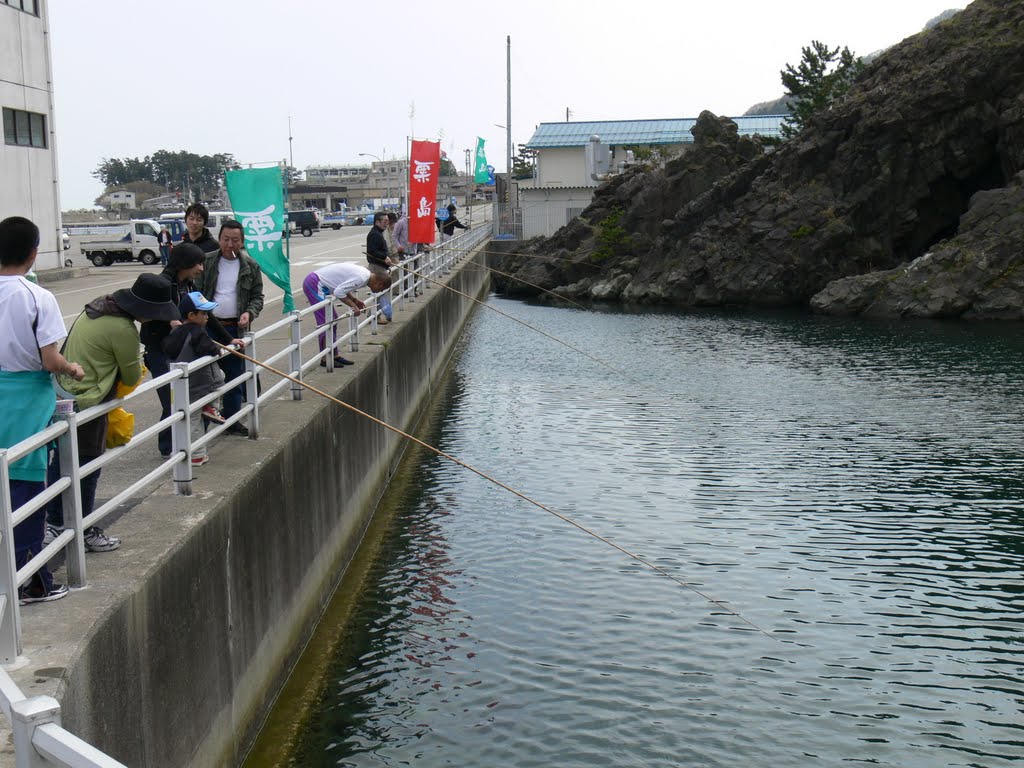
[(171, 170), (448, 167), (822, 76), (116, 172)]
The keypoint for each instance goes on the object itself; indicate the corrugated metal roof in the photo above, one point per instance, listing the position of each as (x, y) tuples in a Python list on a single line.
[(620, 132)]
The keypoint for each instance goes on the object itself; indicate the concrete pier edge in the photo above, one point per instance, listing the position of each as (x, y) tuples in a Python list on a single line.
[(174, 653)]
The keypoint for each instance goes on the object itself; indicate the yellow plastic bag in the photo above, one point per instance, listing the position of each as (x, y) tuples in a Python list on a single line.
[(121, 423), (120, 427)]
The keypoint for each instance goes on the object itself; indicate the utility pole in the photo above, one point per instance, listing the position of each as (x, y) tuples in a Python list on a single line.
[(291, 158), (508, 133), (470, 184)]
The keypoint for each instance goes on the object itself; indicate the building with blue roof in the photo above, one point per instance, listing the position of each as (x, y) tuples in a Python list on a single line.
[(562, 186)]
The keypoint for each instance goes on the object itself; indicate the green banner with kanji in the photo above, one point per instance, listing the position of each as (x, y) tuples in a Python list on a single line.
[(257, 197), (480, 175)]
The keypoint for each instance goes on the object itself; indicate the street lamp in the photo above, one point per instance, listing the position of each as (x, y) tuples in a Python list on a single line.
[(387, 176)]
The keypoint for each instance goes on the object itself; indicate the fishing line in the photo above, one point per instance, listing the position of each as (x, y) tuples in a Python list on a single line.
[(526, 282), (523, 496), (598, 360), (562, 259), (609, 366)]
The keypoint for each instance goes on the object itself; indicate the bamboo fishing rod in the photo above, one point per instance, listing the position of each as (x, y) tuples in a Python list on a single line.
[(564, 518)]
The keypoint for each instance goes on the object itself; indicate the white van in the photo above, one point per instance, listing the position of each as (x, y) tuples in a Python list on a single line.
[(217, 218)]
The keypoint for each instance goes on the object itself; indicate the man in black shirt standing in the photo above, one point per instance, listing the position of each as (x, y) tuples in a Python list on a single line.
[(196, 218), (379, 261)]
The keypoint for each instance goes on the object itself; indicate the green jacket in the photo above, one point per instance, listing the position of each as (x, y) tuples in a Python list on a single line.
[(107, 347), (250, 282)]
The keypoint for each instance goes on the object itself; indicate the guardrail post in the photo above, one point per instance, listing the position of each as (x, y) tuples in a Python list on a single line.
[(331, 333), (10, 621), (26, 716), (252, 387), (296, 354), (373, 307), (71, 500), (411, 277), (446, 258), (353, 327), (401, 287), (181, 431)]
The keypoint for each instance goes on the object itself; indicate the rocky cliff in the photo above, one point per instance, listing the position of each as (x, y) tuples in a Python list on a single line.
[(899, 200)]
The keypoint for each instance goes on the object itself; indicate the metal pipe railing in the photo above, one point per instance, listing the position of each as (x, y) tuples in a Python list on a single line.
[(39, 739)]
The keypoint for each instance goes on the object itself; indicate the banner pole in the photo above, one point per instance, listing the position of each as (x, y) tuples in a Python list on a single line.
[(287, 232), (469, 188)]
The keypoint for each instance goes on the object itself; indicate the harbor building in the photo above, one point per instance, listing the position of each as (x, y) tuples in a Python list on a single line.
[(28, 155)]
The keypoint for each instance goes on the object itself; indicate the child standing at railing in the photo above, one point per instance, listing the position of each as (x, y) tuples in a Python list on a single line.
[(188, 342), (29, 352)]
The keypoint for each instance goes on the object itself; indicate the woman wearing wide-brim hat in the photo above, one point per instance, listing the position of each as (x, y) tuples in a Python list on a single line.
[(106, 341)]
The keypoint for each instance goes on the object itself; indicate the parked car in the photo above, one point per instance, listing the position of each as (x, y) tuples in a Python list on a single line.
[(306, 222)]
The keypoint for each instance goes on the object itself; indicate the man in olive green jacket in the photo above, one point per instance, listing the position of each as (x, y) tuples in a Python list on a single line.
[(234, 281)]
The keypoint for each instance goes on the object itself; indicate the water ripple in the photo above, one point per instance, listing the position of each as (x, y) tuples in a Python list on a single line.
[(853, 488)]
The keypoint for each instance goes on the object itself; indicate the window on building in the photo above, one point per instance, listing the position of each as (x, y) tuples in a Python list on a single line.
[(24, 129), (28, 6)]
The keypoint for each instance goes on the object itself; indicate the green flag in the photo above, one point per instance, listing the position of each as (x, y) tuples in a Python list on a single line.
[(257, 197), (480, 175)]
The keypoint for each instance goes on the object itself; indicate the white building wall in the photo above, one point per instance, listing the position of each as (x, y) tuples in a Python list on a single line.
[(561, 167), (545, 211), (28, 183)]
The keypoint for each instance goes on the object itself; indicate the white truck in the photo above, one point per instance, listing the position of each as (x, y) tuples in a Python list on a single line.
[(134, 240), (335, 220)]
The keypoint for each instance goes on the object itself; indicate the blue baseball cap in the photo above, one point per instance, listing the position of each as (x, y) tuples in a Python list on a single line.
[(193, 301)]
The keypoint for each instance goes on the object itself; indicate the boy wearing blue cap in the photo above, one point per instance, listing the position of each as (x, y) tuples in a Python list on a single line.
[(188, 342)]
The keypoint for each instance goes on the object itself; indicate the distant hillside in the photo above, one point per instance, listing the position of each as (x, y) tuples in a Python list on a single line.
[(942, 17), (780, 106)]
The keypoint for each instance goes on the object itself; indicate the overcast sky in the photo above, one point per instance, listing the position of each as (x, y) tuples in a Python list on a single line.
[(135, 76)]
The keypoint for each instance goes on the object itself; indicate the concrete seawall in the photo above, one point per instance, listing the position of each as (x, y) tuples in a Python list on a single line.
[(176, 650)]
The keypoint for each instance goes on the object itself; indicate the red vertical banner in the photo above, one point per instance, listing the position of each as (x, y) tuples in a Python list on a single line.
[(424, 171)]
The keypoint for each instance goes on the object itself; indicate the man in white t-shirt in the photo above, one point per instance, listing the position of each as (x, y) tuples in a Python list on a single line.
[(341, 280), (29, 352)]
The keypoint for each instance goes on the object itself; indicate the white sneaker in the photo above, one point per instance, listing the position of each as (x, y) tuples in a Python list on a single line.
[(51, 533), (97, 541)]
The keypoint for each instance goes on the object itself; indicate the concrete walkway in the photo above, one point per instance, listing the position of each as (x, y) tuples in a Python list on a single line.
[(153, 527)]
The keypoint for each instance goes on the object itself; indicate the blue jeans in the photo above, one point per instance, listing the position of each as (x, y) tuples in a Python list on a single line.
[(385, 303), (28, 534), (55, 509), (233, 367), (384, 299), (158, 365)]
